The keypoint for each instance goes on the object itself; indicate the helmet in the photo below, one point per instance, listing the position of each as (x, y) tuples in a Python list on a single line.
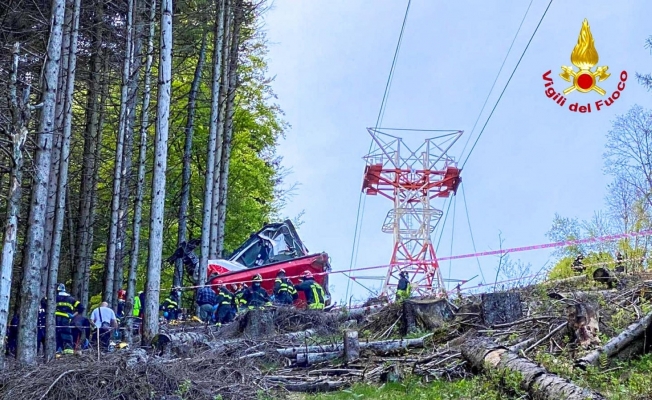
[(306, 275), (258, 278), (61, 287), (403, 273), (280, 271)]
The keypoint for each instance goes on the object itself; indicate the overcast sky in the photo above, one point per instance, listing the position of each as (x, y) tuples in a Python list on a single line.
[(331, 59)]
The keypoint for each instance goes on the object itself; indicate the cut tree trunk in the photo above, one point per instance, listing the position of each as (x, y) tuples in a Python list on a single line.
[(351, 346), (427, 314), (583, 321), (314, 358), (140, 187), (33, 261), (484, 354), (603, 275), (258, 323), (501, 308), (155, 257), (617, 344), (212, 145)]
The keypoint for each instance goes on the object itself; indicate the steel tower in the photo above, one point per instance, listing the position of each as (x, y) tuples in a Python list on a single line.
[(412, 179)]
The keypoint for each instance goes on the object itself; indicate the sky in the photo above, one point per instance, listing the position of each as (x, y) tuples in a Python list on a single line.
[(331, 60)]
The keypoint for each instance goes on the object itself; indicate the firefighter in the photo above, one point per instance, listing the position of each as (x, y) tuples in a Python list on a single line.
[(256, 296), (137, 305), (239, 292), (284, 291), (224, 310), (620, 267), (170, 305), (313, 291), (66, 305), (577, 265), (404, 288)]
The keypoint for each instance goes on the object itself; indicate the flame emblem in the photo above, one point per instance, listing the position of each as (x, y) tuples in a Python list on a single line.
[(584, 57)]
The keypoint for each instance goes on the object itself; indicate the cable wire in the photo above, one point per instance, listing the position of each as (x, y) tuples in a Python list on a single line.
[(507, 84), (486, 100), (471, 231)]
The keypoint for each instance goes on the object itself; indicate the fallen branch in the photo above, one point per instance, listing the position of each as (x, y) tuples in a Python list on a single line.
[(617, 344), (540, 384), (55, 382), (548, 336)]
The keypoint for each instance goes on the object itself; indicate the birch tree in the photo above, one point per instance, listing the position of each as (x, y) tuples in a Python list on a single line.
[(30, 287), (140, 187), (150, 328), (212, 143), (17, 132), (187, 153), (228, 122), (117, 171)]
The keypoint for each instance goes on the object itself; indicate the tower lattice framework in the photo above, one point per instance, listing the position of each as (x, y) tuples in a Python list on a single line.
[(412, 180)]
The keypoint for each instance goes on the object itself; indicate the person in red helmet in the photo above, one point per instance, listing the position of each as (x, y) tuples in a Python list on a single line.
[(313, 291), (122, 297), (284, 292)]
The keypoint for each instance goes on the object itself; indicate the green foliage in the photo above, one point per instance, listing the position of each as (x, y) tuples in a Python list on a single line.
[(563, 268)]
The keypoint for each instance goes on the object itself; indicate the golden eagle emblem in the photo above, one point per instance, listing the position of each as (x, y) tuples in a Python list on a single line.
[(584, 57)]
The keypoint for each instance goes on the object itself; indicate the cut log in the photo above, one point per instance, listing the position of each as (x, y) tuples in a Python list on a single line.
[(317, 387), (293, 351), (300, 335), (427, 314), (258, 323), (583, 322), (314, 358), (501, 308), (483, 354), (389, 345), (351, 346), (617, 344), (166, 339)]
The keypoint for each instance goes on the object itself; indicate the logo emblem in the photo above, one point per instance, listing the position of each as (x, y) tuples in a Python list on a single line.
[(585, 57)]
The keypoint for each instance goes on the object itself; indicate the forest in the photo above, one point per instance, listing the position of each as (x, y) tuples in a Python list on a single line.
[(127, 128)]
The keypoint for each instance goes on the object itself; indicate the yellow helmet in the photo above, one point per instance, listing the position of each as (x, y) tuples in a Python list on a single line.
[(258, 278)]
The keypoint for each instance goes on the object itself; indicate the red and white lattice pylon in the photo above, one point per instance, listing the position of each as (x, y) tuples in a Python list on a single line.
[(412, 179)]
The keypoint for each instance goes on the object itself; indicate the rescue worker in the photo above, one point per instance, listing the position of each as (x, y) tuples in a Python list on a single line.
[(206, 300), (40, 327), (66, 305), (256, 296), (313, 291), (122, 296), (12, 335), (141, 301), (239, 292), (170, 306), (284, 291), (137, 305), (224, 310), (577, 265), (81, 329), (620, 266), (404, 288)]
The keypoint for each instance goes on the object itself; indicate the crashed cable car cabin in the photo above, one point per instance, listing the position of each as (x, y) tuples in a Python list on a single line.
[(276, 246)]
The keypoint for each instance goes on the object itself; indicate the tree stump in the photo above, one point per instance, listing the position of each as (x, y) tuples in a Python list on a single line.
[(603, 275), (428, 314), (258, 323), (501, 308), (583, 322), (351, 346)]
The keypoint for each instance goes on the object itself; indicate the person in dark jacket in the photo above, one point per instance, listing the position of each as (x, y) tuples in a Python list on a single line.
[(12, 335), (170, 305), (313, 291), (284, 291), (66, 305), (256, 296), (206, 300), (225, 307), (404, 288), (81, 329)]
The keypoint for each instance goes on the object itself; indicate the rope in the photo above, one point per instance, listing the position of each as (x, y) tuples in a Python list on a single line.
[(507, 84), (471, 231), (496, 80)]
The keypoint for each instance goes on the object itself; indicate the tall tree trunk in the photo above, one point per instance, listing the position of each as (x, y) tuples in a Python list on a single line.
[(212, 144), (150, 328), (56, 142), (140, 187), (108, 294), (224, 87), (33, 260), (228, 122), (64, 162), (89, 159), (20, 115), (127, 162), (187, 153)]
